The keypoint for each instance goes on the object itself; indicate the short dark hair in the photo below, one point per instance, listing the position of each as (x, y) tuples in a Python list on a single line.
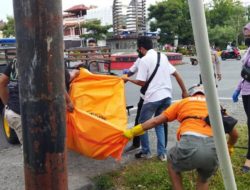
[(145, 42), (92, 41)]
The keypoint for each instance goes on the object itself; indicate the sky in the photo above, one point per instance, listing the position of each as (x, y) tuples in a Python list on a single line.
[(6, 6)]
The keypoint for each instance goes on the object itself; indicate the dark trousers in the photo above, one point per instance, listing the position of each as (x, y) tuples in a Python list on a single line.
[(246, 104), (136, 140)]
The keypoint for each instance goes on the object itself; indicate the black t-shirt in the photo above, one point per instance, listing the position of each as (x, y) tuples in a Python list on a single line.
[(13, 86)]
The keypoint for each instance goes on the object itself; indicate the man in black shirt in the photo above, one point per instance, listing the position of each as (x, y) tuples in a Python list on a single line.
[(9, 94)]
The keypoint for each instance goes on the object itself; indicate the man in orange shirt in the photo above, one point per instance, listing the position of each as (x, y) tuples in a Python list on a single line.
[(195, 148)]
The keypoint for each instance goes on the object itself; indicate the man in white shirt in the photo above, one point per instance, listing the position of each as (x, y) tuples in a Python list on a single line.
[(158, 95), (229, 47)]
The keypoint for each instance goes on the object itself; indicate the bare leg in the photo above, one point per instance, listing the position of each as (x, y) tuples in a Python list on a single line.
[(201, 184), (233, 137), (247, 163), (175, 177)]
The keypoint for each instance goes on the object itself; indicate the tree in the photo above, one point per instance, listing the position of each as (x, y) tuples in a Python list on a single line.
[(9, 27), (173, 18), (221, 35), (95, 30), (226, 17), (238, 20)]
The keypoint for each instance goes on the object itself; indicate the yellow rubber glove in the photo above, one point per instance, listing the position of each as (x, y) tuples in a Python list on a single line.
[(230, 149), (135, 131)]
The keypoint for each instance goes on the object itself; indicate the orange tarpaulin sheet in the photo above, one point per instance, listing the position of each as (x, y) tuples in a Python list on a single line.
[(96, 126)]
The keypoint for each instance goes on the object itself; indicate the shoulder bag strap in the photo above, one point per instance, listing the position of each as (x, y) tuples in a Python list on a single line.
[(145, 87), (192, 117)]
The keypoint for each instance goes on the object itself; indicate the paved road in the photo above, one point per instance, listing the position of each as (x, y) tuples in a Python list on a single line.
[(230, 76)]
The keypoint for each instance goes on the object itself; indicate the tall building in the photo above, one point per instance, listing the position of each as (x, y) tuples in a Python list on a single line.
[(128, 25), (119, 17), (131, 18), (136, 16)]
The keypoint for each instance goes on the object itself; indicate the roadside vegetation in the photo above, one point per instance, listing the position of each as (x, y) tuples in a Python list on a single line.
[(152, 174)]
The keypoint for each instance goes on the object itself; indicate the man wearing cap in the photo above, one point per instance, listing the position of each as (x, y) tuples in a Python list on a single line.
[(195, 148)]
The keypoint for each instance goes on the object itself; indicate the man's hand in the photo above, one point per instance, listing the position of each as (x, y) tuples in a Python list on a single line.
[(219, 77), (70, 107), (125, 71), (125, 78), (69, 104), (135, 131), (73, 74)]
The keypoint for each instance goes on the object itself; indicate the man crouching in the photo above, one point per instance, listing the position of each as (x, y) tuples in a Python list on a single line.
[(195, 148)]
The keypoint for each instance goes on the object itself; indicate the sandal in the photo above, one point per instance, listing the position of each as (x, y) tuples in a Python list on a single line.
[(245, 169)]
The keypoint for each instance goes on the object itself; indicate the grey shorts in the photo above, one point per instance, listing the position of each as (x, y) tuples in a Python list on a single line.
[(193, 152)]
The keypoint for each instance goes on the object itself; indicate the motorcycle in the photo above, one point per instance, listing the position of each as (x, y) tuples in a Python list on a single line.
[(235, 54)]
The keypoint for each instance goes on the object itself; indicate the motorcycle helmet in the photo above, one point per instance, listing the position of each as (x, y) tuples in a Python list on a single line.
[(196, 89)]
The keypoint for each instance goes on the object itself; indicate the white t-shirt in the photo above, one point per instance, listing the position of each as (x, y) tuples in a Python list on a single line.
[(229, 48), (134, 67), (161, 86)]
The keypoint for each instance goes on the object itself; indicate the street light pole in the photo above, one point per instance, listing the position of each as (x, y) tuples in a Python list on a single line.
[(196, 9)]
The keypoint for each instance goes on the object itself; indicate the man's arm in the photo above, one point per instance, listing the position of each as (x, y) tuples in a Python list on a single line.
[(137, 82), (69, 104), (155, 121), (141, 128), (4, 93), (181, 84), (217, 67)]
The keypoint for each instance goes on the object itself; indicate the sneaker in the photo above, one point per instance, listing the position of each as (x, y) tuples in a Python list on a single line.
[(131, 148), (143, 155), (162, 157), (245, 169)]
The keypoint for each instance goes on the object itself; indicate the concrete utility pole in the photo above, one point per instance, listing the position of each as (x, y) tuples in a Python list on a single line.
[(39, 35)]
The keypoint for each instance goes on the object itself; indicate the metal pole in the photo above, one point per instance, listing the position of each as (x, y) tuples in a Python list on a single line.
[(39, 35), (196, 8)]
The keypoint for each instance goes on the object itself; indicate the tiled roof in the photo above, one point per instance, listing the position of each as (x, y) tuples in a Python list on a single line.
[(77, 8)]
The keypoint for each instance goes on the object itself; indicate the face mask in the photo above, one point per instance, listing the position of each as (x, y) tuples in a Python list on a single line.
[(140, 55), (247, 42)]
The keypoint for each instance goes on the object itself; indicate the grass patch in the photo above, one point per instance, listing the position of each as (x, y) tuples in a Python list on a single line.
[(152, 174)]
